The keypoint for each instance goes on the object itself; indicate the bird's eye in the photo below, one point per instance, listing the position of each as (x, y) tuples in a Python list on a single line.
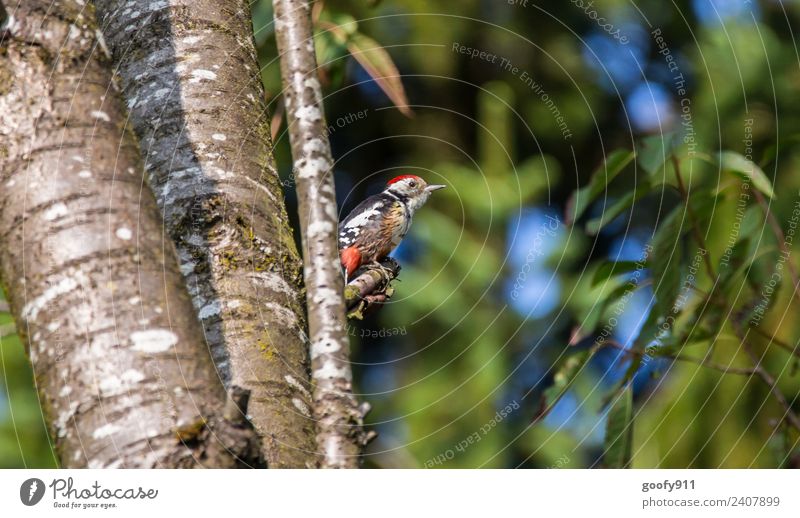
[(412, 183)]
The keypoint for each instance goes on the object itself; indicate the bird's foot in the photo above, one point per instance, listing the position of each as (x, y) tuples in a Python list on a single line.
[(388, 266), (387, 269)]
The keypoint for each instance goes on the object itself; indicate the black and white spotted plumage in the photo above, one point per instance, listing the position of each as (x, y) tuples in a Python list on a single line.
[(365, 219), (377, 225)]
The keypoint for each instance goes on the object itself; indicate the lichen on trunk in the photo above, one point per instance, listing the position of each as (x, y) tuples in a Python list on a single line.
[(123, 373), (189, 73)]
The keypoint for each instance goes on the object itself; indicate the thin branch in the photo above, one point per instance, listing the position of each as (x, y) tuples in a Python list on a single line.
[(340, 434), (795, 350), (767, 378), (370, 289), (689, 359)]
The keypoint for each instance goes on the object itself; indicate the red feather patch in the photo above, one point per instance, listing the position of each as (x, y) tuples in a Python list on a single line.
[(351, 259), (402, 177)]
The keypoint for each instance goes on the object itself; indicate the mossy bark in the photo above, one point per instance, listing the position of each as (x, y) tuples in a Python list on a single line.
[(189, 72), (118, 354)]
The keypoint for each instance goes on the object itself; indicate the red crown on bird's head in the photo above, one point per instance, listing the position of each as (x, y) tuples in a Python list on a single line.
[(402, 177)]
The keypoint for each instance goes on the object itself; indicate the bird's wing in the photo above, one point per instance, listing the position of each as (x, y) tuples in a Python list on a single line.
[(366, 214)]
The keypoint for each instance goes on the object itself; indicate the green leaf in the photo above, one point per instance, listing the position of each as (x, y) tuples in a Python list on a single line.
[(666, 259), (562, 381), (649, 332), (595, 225), (342, 25), (666, 263), (341, 31), (771, 153), (610, 269), (733, 162), (740, 258), (591, 321), (614, 164), (329, 45), (765, 287), (618, 447), (654, 151), (379, 65), (752, 260)]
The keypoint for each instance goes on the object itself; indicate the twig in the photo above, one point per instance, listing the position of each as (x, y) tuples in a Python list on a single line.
[(371, 288), (777, 341), (690, 359), (767, 378)]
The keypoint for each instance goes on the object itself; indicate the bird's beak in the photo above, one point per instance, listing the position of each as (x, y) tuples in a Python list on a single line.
[(432, 188)]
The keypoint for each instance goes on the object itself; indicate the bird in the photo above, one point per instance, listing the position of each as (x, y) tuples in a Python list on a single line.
[(377, 225)]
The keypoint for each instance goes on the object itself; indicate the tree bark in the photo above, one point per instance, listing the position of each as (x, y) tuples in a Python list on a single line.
[(122, 371), (370, 289), (340, 433), (191, 78)]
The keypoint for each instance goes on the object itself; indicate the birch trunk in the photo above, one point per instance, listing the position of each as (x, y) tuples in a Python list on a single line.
[(121, 367), (189, 72), (340, 434)]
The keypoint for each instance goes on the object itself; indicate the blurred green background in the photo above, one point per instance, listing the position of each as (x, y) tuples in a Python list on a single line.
[(515, 104)]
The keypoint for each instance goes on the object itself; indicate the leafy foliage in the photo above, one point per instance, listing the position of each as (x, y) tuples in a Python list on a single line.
[(619, 431), (690, 291)]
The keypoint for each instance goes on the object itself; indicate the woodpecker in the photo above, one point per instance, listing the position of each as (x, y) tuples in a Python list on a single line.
[(377, 225)]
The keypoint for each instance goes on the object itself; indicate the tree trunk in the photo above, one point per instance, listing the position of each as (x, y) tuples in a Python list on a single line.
[(340, 434), (122, 371), (191, 78)]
